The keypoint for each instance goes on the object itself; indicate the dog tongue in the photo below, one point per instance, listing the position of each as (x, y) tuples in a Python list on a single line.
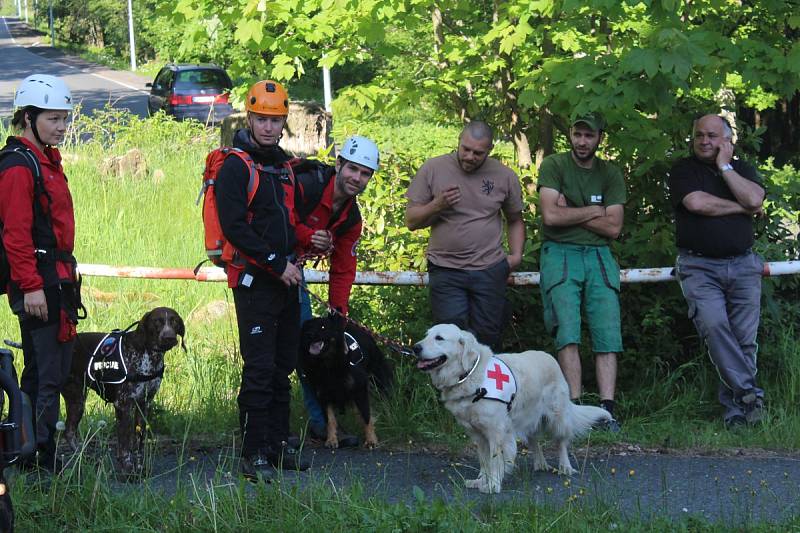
[(425, 363), (316, 347)]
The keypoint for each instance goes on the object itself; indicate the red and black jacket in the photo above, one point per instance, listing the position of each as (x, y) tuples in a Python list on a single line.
[(314, 211), (263, 232), (39, 249)]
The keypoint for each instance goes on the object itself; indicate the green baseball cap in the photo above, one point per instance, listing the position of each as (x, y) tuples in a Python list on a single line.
[(593, 120)]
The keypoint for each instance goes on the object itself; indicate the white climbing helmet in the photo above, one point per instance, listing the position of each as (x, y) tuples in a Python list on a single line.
[(362, 151), (43, 91)]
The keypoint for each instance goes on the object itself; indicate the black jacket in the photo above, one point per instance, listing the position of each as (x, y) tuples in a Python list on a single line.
[(264, 231)]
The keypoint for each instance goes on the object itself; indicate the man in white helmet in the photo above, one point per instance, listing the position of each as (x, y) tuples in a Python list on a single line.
[(37, 224), (329, 221)]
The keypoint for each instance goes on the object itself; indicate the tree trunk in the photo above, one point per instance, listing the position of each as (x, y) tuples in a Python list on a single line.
[(516, 128), (544, 146), (437, 22)]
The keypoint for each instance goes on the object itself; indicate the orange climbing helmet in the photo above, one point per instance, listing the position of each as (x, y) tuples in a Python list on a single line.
[(267, 97)]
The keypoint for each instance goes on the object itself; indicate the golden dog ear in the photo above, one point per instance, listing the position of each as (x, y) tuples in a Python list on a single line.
[(467, 342)]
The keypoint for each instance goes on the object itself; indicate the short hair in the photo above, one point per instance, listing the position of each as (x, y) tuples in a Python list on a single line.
[(726, 126), (478, 130)]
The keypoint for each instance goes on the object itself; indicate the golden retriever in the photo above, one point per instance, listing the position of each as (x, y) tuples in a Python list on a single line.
[(460, 367)]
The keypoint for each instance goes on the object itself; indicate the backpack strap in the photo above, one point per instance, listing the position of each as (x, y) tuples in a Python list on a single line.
[(252, 166), (311, 177)]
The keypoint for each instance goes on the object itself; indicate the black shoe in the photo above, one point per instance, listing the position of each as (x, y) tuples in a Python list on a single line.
[(257, 468), (754, 411), (345, 440), (42, 462), (735, 422), (287, 457)]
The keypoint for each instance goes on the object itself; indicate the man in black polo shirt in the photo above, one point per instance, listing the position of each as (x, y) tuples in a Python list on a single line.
[(715, 198)]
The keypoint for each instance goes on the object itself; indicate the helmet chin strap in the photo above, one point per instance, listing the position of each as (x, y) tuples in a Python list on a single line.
[(32, 116)]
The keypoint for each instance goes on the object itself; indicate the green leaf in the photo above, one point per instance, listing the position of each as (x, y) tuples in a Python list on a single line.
[(249, 30)]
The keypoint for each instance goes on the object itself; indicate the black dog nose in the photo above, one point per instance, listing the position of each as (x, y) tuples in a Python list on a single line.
[(417, 349)]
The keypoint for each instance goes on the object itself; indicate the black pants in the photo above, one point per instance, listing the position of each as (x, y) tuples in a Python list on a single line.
[(268, 316), (47, 365), (474, 300)]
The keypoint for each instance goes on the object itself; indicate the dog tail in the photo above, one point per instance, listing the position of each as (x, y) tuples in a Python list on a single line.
[(580, 418)]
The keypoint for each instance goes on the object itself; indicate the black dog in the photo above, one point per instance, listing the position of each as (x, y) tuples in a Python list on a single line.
[(143, 353), (339, 362)]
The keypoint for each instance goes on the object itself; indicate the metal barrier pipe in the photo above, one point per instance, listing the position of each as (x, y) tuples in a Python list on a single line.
[(630, 275)]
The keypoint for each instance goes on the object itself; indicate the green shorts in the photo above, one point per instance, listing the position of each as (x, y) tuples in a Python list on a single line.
[(572, 275)]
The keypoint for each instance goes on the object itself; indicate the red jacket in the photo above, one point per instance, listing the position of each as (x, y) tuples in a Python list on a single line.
[(16, 215), (343, 258)]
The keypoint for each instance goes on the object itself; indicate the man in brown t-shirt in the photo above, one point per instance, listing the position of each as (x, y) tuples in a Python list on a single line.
[(460, 196)]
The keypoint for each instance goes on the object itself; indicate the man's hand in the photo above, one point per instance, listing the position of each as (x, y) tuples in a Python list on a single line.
[(322, 240), (291, 275), (725, 153), (562, 201), (35, 304), (448, 197), (514, 260)]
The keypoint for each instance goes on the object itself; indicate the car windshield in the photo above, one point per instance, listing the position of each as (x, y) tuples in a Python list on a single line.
[(188, 80)]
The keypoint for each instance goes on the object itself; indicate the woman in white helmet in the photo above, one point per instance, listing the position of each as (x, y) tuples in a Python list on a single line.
[(38, 232)]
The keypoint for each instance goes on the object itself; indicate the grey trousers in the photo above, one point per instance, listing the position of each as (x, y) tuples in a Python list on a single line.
[(474, 300), (724, 298), (47, 365)]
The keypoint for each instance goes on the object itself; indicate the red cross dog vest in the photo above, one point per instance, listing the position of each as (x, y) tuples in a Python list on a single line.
[(498, 384)]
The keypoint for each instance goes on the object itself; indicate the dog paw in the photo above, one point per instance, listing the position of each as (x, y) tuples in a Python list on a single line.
[(72, 441), (332, 443), (566, 470), (490, 488), (541, 466), (474, 483), (370, 443)]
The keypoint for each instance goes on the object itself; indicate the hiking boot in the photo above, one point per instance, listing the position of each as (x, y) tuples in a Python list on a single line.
[(287, 457), (611, 425), (735, 422), (42, 461), (257, 468), (754, 412)]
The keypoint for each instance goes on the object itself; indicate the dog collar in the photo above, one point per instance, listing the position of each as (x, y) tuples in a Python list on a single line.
[(468, 374)]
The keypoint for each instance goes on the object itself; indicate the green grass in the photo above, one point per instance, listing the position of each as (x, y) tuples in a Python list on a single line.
[(88, 499), (152, 220)]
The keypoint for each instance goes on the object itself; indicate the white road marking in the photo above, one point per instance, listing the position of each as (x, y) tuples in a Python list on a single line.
[(8, 31), (119, 83)]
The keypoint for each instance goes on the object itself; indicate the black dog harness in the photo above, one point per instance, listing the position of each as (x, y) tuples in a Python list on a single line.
[(107, 369), (354, 350)]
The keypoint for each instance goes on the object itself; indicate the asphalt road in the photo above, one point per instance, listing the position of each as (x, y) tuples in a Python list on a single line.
[(737, 488), (93, 86)]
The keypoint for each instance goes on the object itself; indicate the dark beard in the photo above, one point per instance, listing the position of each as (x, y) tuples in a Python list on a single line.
[(460, 164), (586, 158)]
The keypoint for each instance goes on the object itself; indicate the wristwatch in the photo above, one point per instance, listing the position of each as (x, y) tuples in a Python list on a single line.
[(726, 167)]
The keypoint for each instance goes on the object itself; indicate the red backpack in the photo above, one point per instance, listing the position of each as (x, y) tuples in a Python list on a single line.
[(219, 250)]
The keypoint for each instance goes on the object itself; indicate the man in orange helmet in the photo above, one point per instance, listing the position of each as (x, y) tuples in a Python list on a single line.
[(264, 280)]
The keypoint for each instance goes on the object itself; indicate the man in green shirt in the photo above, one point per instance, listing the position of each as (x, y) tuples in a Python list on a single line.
[(581, 200)]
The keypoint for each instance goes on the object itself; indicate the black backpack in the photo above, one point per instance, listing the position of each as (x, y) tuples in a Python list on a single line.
[(20, 153), (311, 178)]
